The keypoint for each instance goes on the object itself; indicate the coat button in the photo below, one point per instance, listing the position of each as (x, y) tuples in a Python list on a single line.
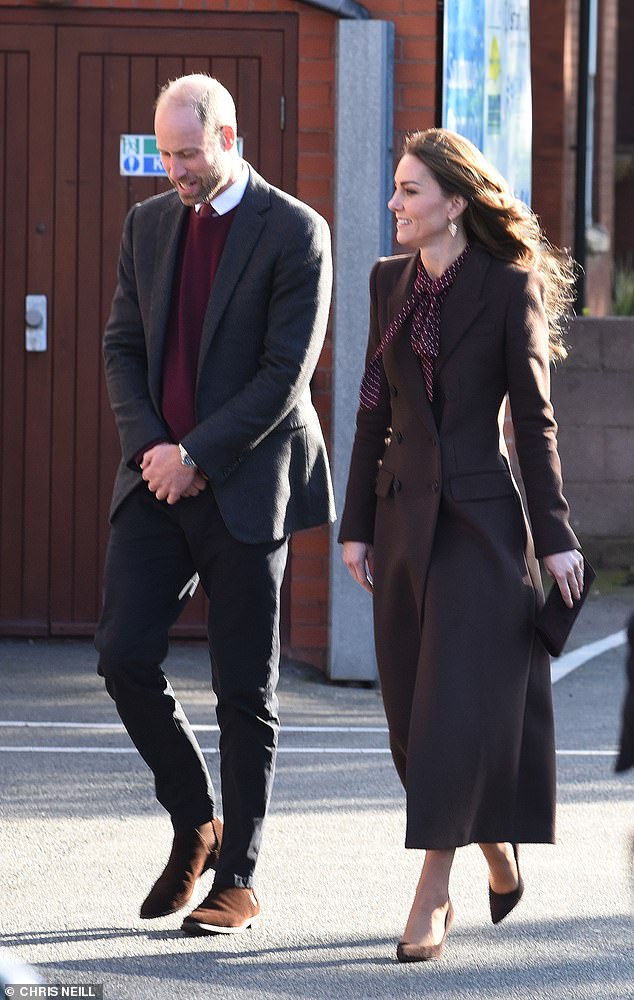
[(434, 442), (435, 486), (393, 390), (396, 485), (398, 436)]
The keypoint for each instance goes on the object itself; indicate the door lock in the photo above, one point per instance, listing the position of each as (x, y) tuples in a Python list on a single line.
[(35, 323)]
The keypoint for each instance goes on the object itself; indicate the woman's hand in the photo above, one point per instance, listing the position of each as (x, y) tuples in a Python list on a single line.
[(566, 568), (359, 560)]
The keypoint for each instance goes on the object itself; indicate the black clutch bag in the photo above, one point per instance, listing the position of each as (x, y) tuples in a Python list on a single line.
[(555, 620)]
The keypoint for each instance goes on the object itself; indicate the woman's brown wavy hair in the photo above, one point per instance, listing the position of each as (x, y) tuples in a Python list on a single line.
[(500, 221)]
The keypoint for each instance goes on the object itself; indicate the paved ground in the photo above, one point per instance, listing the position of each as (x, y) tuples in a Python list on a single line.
[(82, 840)]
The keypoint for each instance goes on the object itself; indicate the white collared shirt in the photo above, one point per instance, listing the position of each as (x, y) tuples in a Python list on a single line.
[(231, 196)]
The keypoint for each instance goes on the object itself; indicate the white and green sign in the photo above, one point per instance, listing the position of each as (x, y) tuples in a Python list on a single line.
[(139, 157)]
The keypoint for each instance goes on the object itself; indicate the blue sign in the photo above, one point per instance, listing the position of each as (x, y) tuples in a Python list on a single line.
[(139, 157), (487, 83), (463, 70)]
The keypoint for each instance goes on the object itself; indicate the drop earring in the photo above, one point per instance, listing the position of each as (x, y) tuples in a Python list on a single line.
[(452, 227)]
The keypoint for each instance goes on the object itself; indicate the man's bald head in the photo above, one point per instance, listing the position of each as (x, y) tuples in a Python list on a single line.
[(211, 102)]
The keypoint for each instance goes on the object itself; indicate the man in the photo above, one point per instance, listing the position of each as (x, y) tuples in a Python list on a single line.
[(625, 758), (216, 327)]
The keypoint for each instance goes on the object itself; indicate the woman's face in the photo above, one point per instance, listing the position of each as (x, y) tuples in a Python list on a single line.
[(421, 208)]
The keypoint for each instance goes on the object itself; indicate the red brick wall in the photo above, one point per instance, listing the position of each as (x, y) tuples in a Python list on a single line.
[(624, 193), (555, 56), (554, 46), (415, 62), (599, 268)]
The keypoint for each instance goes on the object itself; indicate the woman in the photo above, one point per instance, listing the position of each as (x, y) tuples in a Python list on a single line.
[(434, 526)]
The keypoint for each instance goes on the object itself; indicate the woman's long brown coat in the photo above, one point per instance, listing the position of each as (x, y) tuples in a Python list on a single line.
[(465, 681)]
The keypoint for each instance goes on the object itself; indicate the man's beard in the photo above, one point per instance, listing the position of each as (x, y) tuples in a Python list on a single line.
[(208, 186)]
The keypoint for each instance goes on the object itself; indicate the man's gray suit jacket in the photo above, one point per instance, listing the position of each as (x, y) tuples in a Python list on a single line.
[(258, 437)]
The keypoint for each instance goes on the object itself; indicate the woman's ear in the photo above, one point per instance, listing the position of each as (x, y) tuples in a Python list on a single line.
[(458, 203)]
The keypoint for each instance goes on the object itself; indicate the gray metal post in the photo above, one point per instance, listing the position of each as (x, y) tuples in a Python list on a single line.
[(363, 175)]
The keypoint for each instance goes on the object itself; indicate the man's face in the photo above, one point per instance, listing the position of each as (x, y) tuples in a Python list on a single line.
[(196, 161)]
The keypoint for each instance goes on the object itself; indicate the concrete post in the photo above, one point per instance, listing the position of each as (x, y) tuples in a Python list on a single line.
[(363, 177)]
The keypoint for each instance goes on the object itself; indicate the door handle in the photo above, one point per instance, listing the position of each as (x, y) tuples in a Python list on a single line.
[(35, 322)]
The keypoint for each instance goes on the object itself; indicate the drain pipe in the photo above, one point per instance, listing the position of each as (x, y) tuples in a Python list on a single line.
[(342, 8), (581, 153)]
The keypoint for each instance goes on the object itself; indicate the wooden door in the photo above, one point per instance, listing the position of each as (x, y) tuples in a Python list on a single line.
[(107, 79), (26, 263)]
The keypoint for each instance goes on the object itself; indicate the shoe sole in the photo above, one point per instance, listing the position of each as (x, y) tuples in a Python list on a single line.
[(197, 928)]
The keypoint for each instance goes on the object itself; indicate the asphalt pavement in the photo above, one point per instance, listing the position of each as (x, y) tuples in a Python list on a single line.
[(83, 840)]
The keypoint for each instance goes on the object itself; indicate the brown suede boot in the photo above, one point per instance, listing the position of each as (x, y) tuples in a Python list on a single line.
[(227, 910), (193, 852)]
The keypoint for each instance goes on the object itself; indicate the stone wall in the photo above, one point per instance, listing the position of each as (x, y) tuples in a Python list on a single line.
[(593, 395)]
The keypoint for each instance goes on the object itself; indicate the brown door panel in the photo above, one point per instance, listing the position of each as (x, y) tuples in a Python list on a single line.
[(90, 77), (26, 234)]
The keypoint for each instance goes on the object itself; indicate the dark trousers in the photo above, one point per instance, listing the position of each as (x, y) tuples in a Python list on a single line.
[(153, 551)]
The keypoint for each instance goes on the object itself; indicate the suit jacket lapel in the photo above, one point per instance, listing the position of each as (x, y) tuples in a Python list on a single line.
[(244, 233), (167, 244)]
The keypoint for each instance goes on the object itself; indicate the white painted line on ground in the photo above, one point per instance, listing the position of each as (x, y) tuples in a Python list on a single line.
[(33, 724), (565, 665), (210, 750), (117, 727), (570, 661), (313, 750)]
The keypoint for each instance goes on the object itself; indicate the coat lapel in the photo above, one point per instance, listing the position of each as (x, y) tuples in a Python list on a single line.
[(463, 304), (167, 244), (244, 234), (460, 309), (400, 354)]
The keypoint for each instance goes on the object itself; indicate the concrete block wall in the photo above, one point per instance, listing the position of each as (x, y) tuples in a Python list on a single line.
[(593, 396)]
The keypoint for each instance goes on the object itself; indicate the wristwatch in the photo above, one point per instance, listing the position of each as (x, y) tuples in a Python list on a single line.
[(186, 459)]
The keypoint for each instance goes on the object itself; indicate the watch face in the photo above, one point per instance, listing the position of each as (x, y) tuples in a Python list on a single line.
[(185, 458)]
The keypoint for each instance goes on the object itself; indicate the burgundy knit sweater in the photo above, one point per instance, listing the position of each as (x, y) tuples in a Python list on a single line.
[(199, 255)]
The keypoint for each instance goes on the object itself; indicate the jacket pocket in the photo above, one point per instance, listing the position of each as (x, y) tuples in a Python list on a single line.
[(481, 486), (384, 482)]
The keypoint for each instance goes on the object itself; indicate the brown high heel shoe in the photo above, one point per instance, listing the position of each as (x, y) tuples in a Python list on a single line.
[(501, 903), (425, 952)]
